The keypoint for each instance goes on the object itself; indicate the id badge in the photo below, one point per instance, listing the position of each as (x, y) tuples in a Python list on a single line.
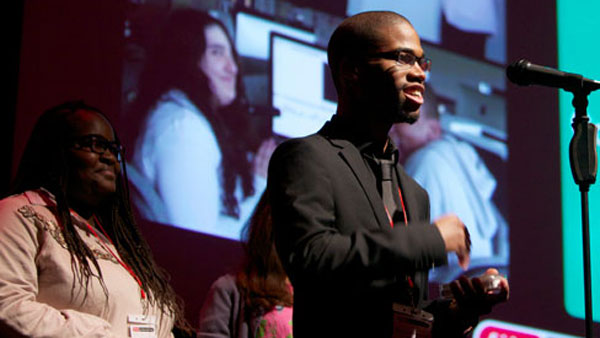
[(141, 326), (410, 322)]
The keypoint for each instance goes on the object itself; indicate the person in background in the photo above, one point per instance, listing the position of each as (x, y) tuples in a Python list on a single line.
[(72, 260), (193, 159), (257, 302), (457, 181)]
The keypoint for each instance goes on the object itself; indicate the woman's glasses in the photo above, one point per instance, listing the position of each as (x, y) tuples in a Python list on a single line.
[(98, 145)]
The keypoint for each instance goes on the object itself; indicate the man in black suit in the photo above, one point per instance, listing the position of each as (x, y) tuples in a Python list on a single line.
[(352, 229)]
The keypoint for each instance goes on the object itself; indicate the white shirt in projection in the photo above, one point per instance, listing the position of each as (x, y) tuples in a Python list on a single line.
[(176, 168), (459, 182)]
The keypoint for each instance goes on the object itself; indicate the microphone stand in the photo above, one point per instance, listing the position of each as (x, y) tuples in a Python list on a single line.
[(584, 165)]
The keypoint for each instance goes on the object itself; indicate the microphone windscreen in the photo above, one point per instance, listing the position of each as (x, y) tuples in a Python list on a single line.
[(516, 72)]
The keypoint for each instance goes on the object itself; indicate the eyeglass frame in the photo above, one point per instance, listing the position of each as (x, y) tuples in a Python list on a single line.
[(96, 140), (423, 61)]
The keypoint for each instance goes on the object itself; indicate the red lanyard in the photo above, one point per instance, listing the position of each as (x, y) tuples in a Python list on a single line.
[(409, 280), (107, 248), (403, 210)]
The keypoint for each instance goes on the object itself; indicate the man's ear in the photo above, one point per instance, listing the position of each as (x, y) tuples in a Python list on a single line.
[(348, 71)]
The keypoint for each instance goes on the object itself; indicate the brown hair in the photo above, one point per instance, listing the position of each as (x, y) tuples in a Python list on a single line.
[(173, 64), (262, 280)]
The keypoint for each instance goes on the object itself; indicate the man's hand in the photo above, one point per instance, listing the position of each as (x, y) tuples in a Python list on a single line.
[(474, 299), (474, 293), (456, 237)]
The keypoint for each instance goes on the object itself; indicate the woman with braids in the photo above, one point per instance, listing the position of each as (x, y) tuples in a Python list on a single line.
[(193, 157), (72, 260), (257, 302)]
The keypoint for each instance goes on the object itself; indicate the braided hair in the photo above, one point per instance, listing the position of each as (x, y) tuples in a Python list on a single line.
[(45, 165)]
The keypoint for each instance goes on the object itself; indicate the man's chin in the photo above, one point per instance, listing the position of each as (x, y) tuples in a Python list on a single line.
[(406, 117)]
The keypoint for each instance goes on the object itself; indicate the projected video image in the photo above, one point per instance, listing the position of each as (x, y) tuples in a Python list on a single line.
[(306, 99), (210, 94), (252, 34)]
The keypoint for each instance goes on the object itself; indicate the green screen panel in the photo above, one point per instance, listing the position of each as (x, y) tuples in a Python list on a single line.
[(578, 52)]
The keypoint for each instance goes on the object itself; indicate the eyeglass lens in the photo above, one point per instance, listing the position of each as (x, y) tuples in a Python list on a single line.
[(99, 145)]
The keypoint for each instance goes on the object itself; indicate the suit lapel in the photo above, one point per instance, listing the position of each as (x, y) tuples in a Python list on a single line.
[(355, 161)]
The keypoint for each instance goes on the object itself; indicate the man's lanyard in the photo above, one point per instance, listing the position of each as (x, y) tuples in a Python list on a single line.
[(107, 248), (403, 210), (409, 280)]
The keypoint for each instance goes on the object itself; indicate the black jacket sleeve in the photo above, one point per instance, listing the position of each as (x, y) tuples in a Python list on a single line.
[(325, 230)]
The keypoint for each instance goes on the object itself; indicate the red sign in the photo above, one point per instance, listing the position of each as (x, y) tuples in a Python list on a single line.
[(497, 332)]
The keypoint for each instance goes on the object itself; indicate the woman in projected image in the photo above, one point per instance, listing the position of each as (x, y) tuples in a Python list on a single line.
[(73, 263), (193, 157), (257, 301)]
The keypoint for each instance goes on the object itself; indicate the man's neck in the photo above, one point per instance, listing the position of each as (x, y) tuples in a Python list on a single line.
[(365, 126)]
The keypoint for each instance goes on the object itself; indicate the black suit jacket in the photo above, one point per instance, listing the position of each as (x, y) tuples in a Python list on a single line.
[(346, 262)]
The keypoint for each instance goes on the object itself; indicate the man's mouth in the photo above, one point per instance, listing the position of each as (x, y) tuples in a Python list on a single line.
[(414, 94)]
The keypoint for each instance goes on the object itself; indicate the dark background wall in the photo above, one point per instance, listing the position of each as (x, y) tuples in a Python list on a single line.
[(69, 50)]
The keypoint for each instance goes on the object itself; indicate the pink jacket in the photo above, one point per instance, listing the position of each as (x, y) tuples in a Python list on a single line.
[(39, 294)]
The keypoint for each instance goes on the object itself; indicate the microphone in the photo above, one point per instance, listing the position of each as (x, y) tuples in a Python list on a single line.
[(525, 73)]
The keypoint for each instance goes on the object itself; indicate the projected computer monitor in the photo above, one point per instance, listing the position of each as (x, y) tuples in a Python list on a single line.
[(301, 87), (252, 34)]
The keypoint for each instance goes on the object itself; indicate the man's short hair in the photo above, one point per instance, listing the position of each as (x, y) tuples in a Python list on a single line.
[(355, 36)]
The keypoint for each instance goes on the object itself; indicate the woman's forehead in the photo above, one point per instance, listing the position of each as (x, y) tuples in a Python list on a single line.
[(86, 122), (216, 35)]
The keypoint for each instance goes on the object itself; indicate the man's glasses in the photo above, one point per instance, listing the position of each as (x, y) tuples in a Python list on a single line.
[(406, 58), (98, 145)]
